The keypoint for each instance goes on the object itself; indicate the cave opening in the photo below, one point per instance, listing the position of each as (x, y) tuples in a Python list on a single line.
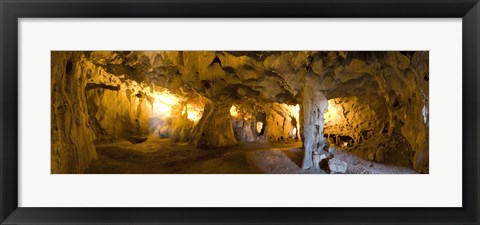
[(239, 112)]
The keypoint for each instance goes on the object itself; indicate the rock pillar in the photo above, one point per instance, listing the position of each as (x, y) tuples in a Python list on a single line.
[(215, 127), (313, 107)]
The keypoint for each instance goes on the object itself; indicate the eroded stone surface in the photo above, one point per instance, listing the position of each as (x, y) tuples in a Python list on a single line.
[(337, 166), (72, 140), (215, 127)]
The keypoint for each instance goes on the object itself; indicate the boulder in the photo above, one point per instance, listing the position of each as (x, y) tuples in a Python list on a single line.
[(337, 166)]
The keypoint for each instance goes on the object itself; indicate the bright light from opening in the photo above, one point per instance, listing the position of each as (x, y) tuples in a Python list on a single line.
[(163, 103), (161, 109), (296, 112), (332, 113), (259, 127), (194, 113), (234, 111)]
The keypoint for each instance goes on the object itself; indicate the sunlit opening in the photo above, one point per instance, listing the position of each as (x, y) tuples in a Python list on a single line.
[(259, 127), (332, 113), (163, 103), (234, 111), (294, 111), (194, 113)]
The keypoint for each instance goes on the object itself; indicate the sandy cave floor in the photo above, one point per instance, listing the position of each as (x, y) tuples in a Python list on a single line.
[(160, 156)]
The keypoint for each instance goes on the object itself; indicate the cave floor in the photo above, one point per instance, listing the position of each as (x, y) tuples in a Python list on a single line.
[(161, 156)]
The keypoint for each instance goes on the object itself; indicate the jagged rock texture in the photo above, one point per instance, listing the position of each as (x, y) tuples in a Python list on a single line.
[(72, 136)]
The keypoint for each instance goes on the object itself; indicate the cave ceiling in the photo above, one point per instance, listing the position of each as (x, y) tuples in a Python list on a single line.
[(260, 77)]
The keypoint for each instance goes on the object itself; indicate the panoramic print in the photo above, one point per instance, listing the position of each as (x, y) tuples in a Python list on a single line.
[(239, 112)]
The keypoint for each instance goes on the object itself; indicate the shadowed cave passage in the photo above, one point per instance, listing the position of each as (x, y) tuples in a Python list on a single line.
[(239, 112)]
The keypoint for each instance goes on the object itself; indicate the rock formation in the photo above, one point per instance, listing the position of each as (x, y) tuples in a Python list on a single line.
[(312, 112), (72, 135), (215, 127)]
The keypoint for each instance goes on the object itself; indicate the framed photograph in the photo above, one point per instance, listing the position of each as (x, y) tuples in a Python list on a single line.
[(239, 112)]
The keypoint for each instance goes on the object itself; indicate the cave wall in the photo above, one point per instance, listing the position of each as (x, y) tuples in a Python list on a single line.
[(279, 124), (404, 85), (122, 108), (119, 112), (278, 127), (243, 122), (400, 78), (244, 129), (72, 137), (180, 126), (356, 117)]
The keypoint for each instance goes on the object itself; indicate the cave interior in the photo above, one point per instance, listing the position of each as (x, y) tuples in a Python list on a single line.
[(239, 112)]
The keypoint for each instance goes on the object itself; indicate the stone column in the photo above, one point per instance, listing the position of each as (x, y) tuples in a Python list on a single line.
[(313, 107), (215, 127)]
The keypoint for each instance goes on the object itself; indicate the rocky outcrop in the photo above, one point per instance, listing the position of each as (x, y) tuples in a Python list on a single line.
[(358, 118), (244, 130), (244, 120), (281, 122), (124, 112)]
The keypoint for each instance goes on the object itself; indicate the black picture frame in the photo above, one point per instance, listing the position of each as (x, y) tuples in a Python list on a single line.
[(11, 11)]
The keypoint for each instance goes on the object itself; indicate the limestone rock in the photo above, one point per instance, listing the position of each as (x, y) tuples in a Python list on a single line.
[(380, 155), (337, 166), (72, 141), (371, 156), (311, 116), (214, 128)]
